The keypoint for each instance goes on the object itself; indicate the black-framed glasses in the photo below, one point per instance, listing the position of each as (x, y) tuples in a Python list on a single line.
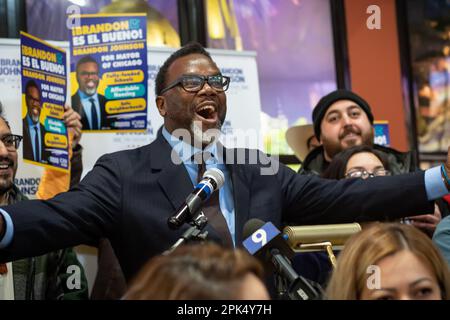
[(86, 74), (11, 141), (361, 173), (195, 83)]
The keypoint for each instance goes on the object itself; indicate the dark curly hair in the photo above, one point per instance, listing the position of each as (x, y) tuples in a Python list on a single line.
[(190, 48), (336, 169)]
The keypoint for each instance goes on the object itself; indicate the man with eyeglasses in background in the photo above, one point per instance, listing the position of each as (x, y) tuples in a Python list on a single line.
[(87, 101), (129, 195), (45, 276)]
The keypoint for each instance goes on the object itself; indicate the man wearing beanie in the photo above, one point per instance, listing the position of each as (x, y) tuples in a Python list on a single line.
[(342, 119)]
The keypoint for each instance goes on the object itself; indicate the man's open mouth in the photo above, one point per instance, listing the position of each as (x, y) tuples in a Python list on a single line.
[(5, 166), (207, 113)]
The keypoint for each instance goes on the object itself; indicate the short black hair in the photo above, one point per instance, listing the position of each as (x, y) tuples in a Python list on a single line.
[(336, 169), (190, 48), (84, 60), (31, 84)]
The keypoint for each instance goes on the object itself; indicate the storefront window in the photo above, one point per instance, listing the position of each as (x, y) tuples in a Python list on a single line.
[(46, 19), (429, 39), (295, 55)]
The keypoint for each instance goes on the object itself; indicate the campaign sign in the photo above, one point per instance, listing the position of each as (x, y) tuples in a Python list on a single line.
[(260, 238), (381, 135), (44, 86), (109, 71)]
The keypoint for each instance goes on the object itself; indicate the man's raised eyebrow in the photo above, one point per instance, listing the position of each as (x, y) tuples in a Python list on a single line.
[(332, 112), (353, 106)]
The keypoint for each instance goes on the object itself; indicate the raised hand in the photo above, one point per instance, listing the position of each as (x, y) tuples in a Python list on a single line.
[(73, 122)]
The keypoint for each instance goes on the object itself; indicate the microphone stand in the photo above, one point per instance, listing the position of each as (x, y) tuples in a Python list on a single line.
[(194, 233), (292, 286)]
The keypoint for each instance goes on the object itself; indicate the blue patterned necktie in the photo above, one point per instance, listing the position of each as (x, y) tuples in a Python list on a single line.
[(211, 208)]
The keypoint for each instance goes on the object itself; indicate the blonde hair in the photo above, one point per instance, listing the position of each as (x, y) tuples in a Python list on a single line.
[(202, 271), (376, 242)]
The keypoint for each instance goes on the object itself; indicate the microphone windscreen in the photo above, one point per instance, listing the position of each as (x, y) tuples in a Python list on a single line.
[(251, 226), (217, 175)]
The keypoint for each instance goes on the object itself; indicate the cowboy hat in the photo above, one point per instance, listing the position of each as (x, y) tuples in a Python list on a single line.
[(297, 138)]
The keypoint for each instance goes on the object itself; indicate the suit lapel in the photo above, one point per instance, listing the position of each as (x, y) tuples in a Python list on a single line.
[(241, 194), (241, 201), (174, 179), (175, 182), (104, 122), (78, 107)]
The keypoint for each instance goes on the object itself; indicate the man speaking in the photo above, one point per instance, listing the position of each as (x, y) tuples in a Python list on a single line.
[(129, 195)]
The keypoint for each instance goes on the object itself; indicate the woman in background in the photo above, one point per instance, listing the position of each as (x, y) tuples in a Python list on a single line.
[(365, 162), (202, 271), (390, 261)]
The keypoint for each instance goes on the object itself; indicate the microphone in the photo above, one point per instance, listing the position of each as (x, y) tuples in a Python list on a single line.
[(261, 238), (312, 238), (213, 179), (266, 242)]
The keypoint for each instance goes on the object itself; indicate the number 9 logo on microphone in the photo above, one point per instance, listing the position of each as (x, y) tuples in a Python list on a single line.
[(260, 236)]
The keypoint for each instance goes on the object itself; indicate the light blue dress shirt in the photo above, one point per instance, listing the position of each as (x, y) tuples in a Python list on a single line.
[(32, 132), (186, 151), (441, 238), (87, 105), (435, 187)]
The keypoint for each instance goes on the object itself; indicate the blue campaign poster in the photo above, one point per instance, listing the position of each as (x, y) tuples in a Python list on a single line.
[(109, 71), (44, 87)]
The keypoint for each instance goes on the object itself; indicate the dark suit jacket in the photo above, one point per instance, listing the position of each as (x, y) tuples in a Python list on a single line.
[(129, 195), (78, 107), (27, 144)]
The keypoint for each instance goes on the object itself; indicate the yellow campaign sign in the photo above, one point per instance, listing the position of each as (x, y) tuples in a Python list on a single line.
[(55, 141), (121, 77), (122, 106)]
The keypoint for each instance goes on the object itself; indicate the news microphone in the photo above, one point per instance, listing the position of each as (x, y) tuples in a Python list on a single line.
[(261, 238), (310, 238), (213, 179), (266, 242)]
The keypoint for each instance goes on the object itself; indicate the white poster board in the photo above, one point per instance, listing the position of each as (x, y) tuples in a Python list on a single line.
[(241, 124)]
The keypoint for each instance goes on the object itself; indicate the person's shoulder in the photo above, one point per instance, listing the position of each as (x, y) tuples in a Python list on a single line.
[(314, 162), (390, 150), (399, 161), (444, 225), (143, 152), (101, 97), (75, 96), (247, 155)]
